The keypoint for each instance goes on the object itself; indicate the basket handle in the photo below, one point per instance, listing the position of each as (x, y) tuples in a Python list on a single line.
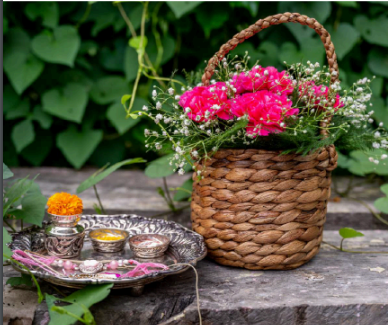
[(278, 19)]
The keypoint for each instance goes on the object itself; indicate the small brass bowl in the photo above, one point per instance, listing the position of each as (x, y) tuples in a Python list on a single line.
[(149, 245), (108, 246)]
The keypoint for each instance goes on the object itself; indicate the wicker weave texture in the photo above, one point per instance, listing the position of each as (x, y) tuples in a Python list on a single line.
[(259, 209)]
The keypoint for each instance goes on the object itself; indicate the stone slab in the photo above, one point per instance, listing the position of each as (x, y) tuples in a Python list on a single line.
[(334, 288), (130, 191)]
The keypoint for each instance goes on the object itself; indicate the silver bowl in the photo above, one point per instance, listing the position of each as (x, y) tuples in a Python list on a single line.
[(108, 246), (149, 245), (65, 221)]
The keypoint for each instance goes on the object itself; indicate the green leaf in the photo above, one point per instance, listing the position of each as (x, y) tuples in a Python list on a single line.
[(380, 109), (14, 193), (60, 47), (252, 6), (185, 193), (6, 239), (373, 30), (168, 44), (350, 233), (68, 103), (113, 60), (104, 15), (312, 49), (10, 98), (361, 166), (109, 89), (17, 281), (45, 120), (5, 25), (125, 98), (267, 54), (36, 152), (131, 63), (6, 172), (318, 10), (378, 62), (48, 11), (210, 19), (382, 203), (101, 174), (180, 8), (22, 134), (344, 38), (78, 146), (88, 296), (350, 4), (160, 167), (20, 65), (33, 209), (343, 161), (24, 279), (135, 42), (21, 109), (117, 115)]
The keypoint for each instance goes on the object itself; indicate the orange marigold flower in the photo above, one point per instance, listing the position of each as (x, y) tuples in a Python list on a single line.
[(64, 204)]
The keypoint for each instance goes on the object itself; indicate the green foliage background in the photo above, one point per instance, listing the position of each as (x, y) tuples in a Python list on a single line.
[(67, 64)]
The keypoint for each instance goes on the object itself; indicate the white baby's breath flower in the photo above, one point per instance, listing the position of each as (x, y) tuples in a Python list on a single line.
[(145, 108), (376, 145), (171, 91), (146, 132), (181, 171), (158, 105), (371, 159), (377, 134), (177, 97), (154, 93)]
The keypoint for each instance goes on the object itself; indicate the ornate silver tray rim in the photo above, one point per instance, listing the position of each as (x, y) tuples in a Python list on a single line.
[(186, 243)]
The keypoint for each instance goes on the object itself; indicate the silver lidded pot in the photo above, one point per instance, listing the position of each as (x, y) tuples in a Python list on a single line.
[(64, 237)]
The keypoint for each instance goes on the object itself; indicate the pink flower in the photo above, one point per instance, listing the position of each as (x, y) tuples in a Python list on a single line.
[(206, 103), (263, 79), (265, 110), (317, 93)]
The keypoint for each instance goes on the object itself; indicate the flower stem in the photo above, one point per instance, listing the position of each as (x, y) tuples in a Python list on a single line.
[(98, 199), (349, 251), (166, 190), (9, 225)]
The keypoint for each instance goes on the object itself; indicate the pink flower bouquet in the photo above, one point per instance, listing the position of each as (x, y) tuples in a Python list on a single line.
[(262, 107)]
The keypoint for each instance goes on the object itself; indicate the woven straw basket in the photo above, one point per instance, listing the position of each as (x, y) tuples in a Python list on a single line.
[(259, 209)]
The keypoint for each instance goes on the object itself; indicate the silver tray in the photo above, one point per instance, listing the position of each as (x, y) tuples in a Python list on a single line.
[(186, 247)]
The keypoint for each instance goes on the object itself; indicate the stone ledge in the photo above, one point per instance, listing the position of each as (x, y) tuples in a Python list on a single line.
[(130, 191), (334, 288)]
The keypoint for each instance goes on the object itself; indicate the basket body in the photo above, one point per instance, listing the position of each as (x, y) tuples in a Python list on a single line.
[(262, 210)]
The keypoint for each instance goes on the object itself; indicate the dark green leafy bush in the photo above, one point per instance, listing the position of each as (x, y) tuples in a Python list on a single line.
[(68, 64)]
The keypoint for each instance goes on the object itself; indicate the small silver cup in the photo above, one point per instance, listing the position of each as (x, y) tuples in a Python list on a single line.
[(64, 237), (149, 245)]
